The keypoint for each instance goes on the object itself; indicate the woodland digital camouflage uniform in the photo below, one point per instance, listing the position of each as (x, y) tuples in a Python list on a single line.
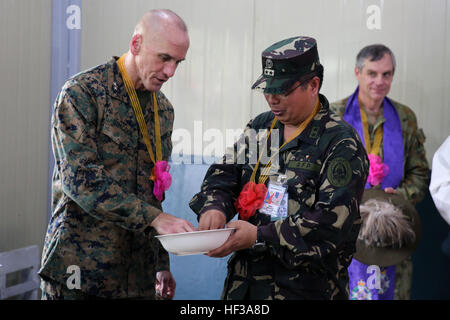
[(102, 199), (415, 176), (306, 255)]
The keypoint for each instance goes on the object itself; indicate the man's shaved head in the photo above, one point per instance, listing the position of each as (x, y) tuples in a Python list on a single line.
[(157, 20), (159, 43)]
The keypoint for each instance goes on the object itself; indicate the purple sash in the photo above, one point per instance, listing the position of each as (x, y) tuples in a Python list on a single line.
[(361, 276), (392, 138)]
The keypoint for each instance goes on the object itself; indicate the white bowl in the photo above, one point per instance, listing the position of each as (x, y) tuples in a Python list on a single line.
[(196, 242)]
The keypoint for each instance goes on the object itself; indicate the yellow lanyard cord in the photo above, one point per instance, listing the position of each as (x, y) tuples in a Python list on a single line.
[(139, 115), (157, 129), (375, 147), (252, 178), (265, 172)]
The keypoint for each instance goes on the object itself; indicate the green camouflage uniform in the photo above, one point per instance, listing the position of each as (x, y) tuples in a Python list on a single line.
[(416, 171), (102, 199), (415, 176), (306, 254)]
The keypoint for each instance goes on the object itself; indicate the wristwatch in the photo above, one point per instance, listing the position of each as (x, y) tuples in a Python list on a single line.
[(259, 245)]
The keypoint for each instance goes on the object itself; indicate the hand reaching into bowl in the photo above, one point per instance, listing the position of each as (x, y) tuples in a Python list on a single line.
[(165, 223), (212, 219)]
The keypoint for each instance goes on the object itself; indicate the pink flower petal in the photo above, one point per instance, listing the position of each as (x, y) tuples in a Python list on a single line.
[(377, 170), (162, 179)]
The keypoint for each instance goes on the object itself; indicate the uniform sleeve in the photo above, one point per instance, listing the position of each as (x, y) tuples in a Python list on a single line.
[(440, 180), (416, 172), (83, 176), (313, 233)]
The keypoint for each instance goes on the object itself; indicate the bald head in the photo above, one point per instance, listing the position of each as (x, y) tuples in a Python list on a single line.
[(159, 43), (157, 21)]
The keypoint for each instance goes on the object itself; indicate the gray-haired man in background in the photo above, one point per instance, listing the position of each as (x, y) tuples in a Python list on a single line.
[(394, 143)]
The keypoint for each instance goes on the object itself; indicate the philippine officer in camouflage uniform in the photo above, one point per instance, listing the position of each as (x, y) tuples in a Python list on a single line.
[(100, 239), (374, 71), (305, 254)]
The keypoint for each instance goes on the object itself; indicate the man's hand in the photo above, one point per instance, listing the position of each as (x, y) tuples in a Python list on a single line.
[(212, 219), (243, 237), (165, 284), (389, 190), (165, 223)]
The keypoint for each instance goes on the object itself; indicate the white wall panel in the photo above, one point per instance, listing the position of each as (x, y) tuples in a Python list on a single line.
[(25, 38), (213, 85)]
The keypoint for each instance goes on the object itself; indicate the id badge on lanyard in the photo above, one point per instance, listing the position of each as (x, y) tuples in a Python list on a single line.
[(276, 200)]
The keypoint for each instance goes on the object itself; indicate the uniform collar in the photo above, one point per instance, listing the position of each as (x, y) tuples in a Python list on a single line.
[(115, 85), (315, 128)]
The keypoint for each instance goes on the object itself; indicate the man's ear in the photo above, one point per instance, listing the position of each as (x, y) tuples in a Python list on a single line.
[(357, 72), (136, 44), (315, 83)]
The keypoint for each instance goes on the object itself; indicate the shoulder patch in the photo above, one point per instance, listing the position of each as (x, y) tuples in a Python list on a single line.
[(339, 172)]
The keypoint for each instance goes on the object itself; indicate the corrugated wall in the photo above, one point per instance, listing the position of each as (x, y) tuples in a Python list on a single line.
[(227, 37), (25, 40), (213, 84)]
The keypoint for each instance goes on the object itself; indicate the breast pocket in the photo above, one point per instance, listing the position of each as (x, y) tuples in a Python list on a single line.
[(116, 140), (303, 180), (117, 147)]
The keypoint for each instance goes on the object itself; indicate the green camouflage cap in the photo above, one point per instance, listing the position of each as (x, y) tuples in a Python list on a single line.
[(284, 62)]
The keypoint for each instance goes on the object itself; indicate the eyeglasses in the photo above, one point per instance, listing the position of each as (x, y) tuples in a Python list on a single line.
[(286, 94)]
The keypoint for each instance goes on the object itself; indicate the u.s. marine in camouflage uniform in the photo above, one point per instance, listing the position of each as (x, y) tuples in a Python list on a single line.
[(104, 213), (305, 254), (374, 70)]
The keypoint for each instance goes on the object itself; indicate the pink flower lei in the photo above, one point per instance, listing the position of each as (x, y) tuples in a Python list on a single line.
[(377, 170), (161, 178)]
